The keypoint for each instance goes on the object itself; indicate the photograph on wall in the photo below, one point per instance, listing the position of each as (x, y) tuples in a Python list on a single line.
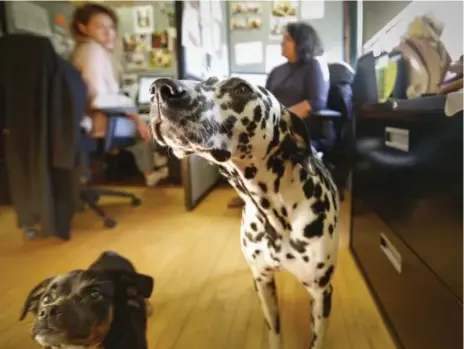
[(313, 9), (284, 8), (136, 60), (161, 58), (137, 42), (253, 8), (237, 8), (144, 19), (160, 39), (278, 26), (238, 24), (254, 23)]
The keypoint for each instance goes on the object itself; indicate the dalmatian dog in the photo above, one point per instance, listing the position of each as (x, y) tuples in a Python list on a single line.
[(291, 202)]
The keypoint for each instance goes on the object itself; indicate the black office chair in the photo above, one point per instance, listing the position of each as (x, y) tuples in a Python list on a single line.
[(331, 128), (120, 133)]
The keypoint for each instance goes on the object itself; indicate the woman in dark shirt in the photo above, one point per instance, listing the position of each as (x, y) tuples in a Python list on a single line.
[(302, 83)]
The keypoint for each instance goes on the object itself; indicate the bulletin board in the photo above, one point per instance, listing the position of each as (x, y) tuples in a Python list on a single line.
[(204, 39), (148, 38), (256, 31)]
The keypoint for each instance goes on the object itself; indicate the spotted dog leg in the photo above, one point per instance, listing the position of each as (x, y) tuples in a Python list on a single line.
[(321, 305), (267, 293)]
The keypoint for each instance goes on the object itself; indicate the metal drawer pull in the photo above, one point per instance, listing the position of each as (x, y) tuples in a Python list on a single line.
[(397, 138), (391, 252)]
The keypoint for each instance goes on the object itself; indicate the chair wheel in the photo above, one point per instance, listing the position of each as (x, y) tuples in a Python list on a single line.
[(109, 223), (136, 202)]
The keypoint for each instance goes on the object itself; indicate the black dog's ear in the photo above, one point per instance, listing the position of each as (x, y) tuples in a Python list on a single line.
[(127, 281), (32, 300), (298, 144)]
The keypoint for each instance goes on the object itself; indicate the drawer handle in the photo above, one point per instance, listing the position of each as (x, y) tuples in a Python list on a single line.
[(397, 138), (391, 252)]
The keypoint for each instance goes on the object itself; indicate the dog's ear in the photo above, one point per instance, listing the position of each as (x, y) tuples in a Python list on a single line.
[(32, 301), (127, 281), (298, 145)]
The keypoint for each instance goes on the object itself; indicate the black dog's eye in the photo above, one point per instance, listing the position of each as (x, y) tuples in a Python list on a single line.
[(95, 294), (47, 299), (242, 89)]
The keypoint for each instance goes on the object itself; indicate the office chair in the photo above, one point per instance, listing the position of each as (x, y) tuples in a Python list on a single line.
[(331, 128), (120, 133)]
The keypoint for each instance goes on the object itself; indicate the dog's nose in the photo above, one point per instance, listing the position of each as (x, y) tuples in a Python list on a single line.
[(52, 312), (169, 89)]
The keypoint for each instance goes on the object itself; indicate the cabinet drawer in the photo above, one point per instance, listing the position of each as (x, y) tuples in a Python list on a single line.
[(422, 311)]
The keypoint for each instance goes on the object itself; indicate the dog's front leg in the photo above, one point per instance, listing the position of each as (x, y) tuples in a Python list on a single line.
[(321, 305), (265, 287)]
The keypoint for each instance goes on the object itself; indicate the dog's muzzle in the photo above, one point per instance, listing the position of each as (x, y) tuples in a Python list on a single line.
[(170, 94)]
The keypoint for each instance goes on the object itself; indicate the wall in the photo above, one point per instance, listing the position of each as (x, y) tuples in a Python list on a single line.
[(376, 14), (330, 29)]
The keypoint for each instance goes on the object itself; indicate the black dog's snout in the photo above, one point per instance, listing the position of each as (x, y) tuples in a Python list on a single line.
[(168, 88), (51, 312)]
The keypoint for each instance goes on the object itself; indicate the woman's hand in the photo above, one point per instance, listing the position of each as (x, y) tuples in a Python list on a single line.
[(142, 127)]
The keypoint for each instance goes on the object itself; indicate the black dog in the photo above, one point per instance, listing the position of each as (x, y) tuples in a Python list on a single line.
[(103, 306)]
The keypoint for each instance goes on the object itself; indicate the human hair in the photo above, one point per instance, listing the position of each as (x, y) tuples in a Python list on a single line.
[(83, 14), (307, 41)]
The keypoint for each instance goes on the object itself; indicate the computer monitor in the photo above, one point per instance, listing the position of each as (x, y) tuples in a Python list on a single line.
[(143, 93), (254, 78)]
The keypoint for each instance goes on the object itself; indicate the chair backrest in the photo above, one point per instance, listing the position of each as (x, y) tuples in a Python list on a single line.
[(340, 92)]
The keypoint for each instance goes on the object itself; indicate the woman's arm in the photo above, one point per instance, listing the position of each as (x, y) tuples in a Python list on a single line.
[(316, 89)]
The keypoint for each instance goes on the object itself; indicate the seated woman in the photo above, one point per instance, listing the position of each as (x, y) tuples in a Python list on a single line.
[(94, 28), (302, 83)]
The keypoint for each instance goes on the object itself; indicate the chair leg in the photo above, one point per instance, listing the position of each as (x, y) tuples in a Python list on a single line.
[(90, 199)]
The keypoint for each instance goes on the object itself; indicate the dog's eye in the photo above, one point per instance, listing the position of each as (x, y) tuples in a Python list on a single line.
[(95, 294), (242, 89), (47, 299)]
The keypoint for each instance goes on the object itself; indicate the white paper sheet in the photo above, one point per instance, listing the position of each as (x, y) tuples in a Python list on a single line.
[(31, 18), (313, 9), (216, 9), (190, 27), (273, 57), (144, 19), (249, 53)]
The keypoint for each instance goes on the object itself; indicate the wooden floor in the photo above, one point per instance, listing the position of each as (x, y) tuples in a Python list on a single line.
[(204, 295)]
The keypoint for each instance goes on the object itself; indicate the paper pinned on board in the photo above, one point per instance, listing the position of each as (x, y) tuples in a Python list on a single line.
[(31, 18), (273, 57), (313, 9), (144, 19), (247, 53)]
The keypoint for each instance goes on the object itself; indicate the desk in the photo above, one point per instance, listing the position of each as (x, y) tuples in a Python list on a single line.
[(406, 231)]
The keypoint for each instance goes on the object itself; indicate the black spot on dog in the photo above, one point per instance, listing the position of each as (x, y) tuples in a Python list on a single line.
[(298, 245), (284, 211), (228, 125), (303, 174), (254, 226), (263, 187), (250, 172), (245, 121), (290, 256), (324, 280), (315, 228), (331, 229), (294, 206), (243, 138), (274, 141), (320, 265), (306, 259), (327, 302), (220, 155), (257, 114), (277, 324), (257, 252), (320, 206), (317, 190), (265, 203), (308, 188)]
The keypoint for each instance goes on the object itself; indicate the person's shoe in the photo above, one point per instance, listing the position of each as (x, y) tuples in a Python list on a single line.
[(153, 178), (236, 202)]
